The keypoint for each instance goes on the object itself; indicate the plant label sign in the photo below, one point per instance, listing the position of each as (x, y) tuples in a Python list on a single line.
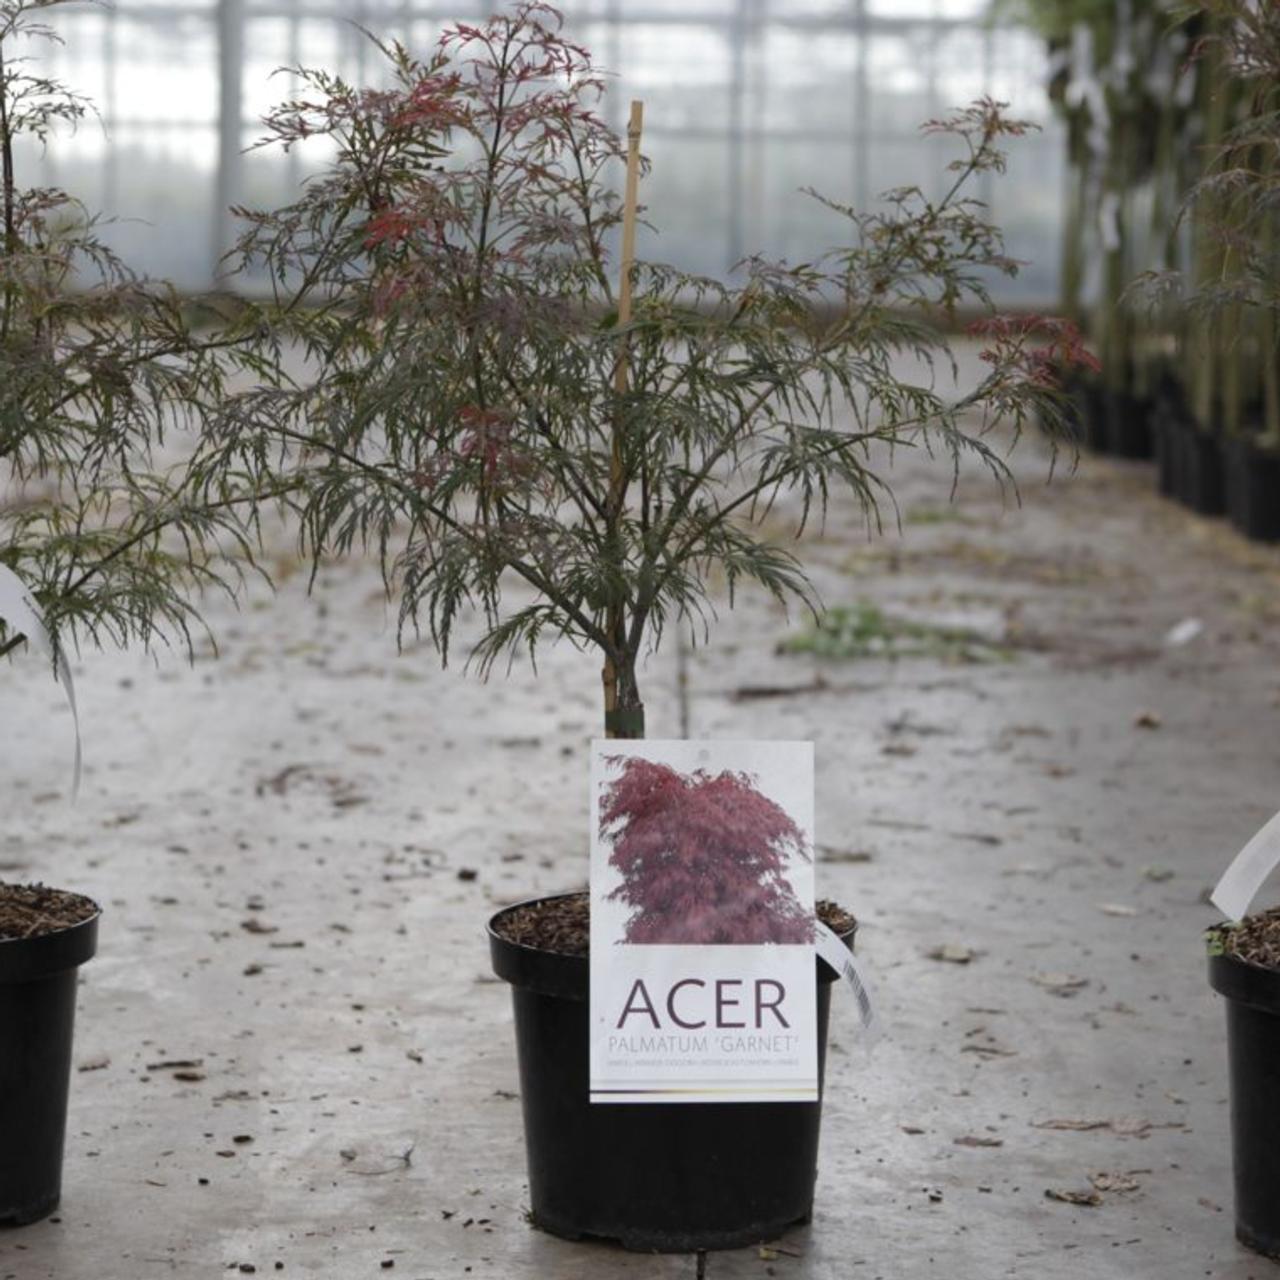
[(702, 922)]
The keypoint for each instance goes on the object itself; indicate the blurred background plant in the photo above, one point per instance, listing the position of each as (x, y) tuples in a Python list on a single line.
[(1234, 284), (1132, 111), (1169, 255), (112, 524)]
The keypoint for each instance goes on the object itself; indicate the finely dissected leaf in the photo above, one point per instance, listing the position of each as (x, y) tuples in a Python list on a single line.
[(447, 276), (101, 377)]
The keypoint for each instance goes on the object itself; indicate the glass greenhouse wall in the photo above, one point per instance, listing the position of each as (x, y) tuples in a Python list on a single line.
[(747, 101)]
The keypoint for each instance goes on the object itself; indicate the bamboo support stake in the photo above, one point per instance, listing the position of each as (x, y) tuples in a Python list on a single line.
[(629, 209), (617, 476)]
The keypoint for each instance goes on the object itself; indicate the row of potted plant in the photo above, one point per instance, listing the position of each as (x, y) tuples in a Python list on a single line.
[(1169, 253), (1181, 103), (1235, 314), (488, 398)]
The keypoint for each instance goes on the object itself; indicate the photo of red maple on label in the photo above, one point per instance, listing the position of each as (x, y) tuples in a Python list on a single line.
[(703, 857)]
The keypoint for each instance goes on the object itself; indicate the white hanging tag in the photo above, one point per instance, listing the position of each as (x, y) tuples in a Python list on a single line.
[(1250, 867), (842, 960), (22, 614)]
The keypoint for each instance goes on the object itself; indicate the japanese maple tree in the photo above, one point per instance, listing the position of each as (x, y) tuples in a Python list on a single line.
[(108, 513), (703, 857), (448, 276)]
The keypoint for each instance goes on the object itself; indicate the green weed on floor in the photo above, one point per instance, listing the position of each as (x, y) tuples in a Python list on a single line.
[(863, 630)]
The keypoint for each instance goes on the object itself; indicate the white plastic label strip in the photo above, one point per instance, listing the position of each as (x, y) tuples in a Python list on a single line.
[(22, 614), (841, 959), (1250, 867)]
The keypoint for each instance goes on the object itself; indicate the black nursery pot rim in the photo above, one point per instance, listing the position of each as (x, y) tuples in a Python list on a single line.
[(29, 959), (1243, 980), (554, 973)]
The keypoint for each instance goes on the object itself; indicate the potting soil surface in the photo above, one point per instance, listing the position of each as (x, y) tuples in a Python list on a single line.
[(32, 910), (1042, 730), (563, 924), (1256, 939)]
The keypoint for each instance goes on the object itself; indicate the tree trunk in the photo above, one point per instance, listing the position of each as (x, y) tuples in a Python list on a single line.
[(623, 710)]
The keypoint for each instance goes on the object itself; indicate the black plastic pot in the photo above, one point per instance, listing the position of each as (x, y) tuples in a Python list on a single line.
[(1092, 413), (37, 1016), (1128, 429), (666, 1177), (1253, 490), (1253, 1047), (1167, 427), (1202, 473)]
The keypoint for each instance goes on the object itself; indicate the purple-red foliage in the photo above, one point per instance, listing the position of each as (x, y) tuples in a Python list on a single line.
[(703, 857), (1015, 349)]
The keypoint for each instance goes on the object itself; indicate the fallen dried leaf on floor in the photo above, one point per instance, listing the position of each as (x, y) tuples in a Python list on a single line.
[(749, 692), (1136, 1127), (96, 1063), (1125, 1126), (1079, 1126), (1147, 720), (1104, 1181), (989, 1051), (772, 1252), (1089, 1199), (1060, 984), (951, 953), (829, 854), (1157, 874), (400, 1161), (977, 1140), (1117, 909)]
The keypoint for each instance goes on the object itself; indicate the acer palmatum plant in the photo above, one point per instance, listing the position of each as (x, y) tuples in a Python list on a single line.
[(448, 276), (97, 366), (703, 857), (1235, 295)]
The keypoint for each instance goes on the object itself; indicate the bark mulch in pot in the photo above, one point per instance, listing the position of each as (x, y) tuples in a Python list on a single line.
[(1255, 940), (563, 925), (32, 910)]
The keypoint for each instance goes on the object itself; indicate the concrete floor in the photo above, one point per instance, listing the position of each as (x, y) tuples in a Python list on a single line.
[(1060, 814)]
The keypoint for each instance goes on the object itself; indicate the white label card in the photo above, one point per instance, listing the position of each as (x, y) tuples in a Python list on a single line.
[(703, 983)]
